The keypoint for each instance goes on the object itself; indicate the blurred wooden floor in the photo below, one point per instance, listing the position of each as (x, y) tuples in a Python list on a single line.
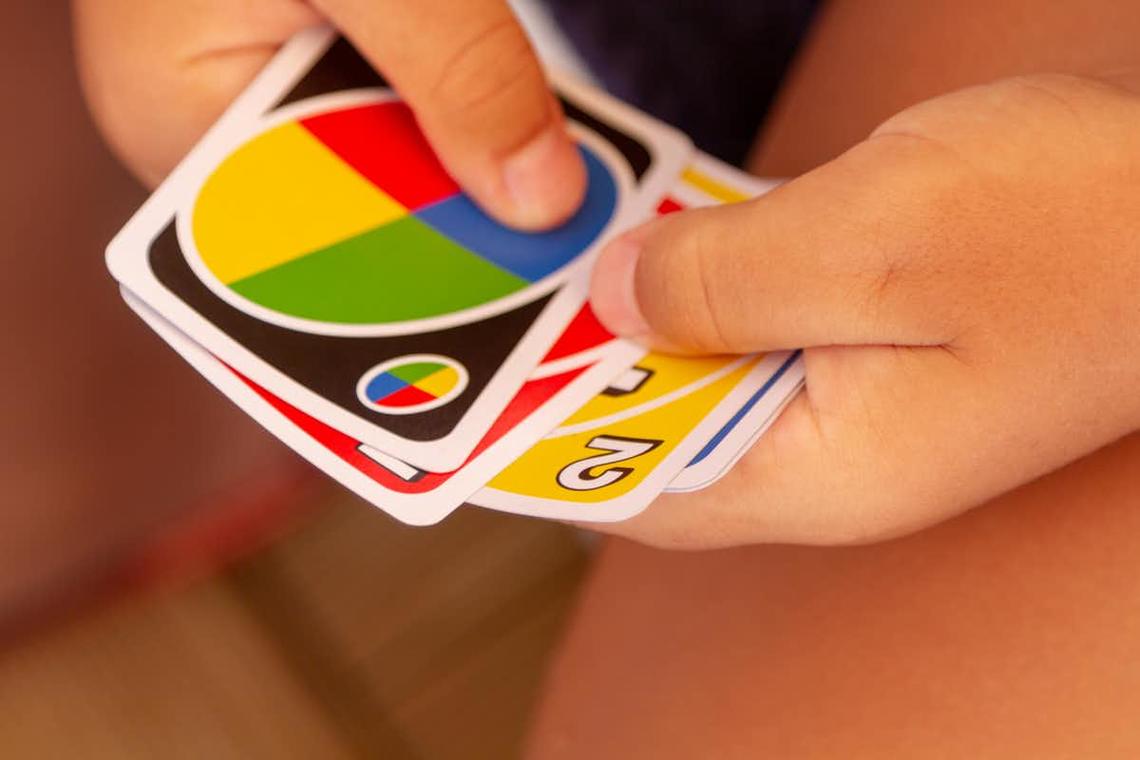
[(353, 638)]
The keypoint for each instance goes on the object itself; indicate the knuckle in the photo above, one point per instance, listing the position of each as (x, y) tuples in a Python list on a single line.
[(679, 285), (1009, 98), (888, 280), (906, 142), (915, 226), (714, 334), (659, 266), (905, 122), (1059, 89), (1056, 98), (491, 74), (1095, 111)]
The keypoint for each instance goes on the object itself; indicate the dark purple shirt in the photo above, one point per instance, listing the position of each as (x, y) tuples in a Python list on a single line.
[(709, 67)]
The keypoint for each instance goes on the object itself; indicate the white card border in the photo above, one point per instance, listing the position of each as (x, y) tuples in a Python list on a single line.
[(128, 253), (631, 503)]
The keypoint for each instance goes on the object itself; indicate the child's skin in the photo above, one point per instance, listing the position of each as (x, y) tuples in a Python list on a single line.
[(963, 279), (1006, 634), (157, 74), (965, 282)]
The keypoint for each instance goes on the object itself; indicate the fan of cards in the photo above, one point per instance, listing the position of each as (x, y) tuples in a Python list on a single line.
[(314, 261)]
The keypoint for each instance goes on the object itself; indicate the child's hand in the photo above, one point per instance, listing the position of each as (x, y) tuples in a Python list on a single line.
[(158, 74), (967, 284)]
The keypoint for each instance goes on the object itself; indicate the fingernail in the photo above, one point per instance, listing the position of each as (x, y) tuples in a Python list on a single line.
[(545, 180), (613, 295)]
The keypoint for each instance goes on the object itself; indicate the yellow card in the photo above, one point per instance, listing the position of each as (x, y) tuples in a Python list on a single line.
[(611, 458)]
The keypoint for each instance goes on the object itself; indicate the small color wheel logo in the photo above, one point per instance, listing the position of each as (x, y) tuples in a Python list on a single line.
[(411, 384)]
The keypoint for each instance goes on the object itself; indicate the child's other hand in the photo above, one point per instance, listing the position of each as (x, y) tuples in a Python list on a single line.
[(157, 74), (966, 283)]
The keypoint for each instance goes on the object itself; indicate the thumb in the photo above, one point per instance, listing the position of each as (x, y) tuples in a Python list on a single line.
[(470, 75), (832, 257)]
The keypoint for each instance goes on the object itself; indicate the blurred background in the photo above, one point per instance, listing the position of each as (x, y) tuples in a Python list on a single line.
[(174, 582)]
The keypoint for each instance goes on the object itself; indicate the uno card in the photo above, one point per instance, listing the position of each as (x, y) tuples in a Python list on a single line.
[(708, 181), (406, 492), (721, 452), (705, 182), (612, 457), (313, 242)]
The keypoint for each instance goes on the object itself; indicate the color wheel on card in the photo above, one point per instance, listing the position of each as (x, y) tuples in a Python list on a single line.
[(412, 384), (336, 217)]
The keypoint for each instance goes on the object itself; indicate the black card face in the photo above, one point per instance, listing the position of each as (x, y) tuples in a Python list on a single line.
[(315, 243), (331, 365)]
